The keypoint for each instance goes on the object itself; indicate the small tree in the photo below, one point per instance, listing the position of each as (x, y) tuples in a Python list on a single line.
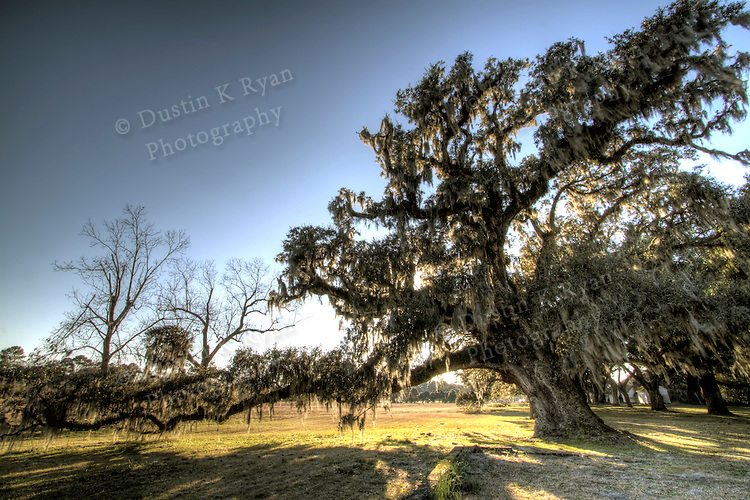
[(488, 384), (12, 357), (118, 282), (167, 349), (481, 382)]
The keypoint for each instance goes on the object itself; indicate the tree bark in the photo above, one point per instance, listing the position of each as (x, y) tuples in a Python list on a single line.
[(694, 396), (615, 392), (655, 399), (651, 384), (622, 386), (714, 402), (598, 395), (624, 391), (106, 355), (558, 403)]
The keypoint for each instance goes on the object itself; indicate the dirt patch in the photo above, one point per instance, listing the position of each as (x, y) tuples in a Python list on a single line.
[(549, 476)]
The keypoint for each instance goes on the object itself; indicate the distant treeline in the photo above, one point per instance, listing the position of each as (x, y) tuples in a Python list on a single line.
[(431, 392)]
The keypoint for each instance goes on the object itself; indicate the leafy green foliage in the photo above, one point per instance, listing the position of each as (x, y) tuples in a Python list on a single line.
[(486, 386)]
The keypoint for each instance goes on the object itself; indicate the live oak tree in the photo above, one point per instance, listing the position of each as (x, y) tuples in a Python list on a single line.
[(118, 282), (469, 248), (732, 371), (487, 385), (671, 307), (220, 309), (480, 382)]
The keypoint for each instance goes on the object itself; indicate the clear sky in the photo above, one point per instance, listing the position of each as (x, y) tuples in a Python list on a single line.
[(73, 70)]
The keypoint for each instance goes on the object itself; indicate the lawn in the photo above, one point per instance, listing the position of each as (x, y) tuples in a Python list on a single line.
[(679, 454)]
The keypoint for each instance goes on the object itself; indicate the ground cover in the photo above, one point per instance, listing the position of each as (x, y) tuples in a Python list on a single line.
[(679, 454)]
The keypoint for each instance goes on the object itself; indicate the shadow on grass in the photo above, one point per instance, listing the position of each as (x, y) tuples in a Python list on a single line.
[(489, 475), (677, 454), (685, 428), (260, 471)]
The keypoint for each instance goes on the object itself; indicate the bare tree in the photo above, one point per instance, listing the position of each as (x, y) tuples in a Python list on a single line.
[(220, 309), (119, 282)]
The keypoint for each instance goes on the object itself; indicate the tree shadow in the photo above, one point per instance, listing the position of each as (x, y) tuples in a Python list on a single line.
[(693, 432), (393, 470), (489, 475)]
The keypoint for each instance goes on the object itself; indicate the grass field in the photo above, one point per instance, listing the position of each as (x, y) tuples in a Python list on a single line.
[(680, 454)]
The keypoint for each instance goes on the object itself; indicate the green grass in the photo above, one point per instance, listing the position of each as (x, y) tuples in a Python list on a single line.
[(449, 484), (677, 454)]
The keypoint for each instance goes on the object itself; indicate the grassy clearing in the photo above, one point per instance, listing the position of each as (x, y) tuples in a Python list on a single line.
[(678, 454)]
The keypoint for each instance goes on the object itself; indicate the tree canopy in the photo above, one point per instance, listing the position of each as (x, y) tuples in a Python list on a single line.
[(510, 183)]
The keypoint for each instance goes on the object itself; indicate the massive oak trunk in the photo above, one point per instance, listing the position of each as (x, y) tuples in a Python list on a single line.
[(558, 403)]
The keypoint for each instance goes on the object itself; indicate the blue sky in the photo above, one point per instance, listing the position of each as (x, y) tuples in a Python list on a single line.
[(72, 69)]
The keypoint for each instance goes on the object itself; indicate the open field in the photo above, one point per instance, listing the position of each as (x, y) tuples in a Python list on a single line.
[(681, 454)]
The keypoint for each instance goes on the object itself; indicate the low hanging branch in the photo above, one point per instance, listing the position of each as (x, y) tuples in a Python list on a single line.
[(49, 398)]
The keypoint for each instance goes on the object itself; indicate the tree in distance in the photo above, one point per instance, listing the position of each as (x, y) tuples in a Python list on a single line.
[(12, 356), (220, 309), (119, 282), (487, 385)]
